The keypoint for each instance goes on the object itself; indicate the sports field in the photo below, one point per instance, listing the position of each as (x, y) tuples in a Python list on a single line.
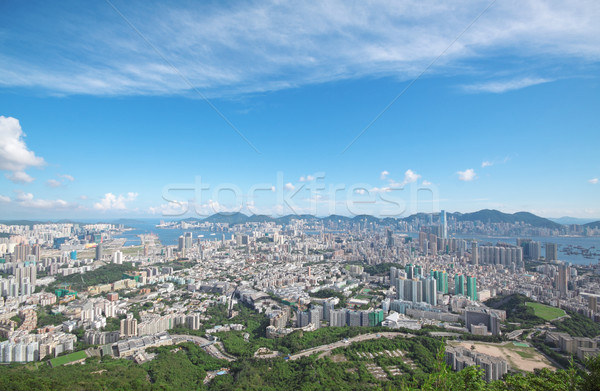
[(545, 311), (62, 360)]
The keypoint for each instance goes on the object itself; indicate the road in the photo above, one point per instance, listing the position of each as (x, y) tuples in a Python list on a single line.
[(204, 343), (335, 345)]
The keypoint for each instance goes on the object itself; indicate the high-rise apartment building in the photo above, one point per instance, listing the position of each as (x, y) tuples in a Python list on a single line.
[(472, 287), (551, 251)]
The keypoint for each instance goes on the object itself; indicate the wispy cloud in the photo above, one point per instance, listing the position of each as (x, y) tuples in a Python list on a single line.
[(27, 200), (20, 177), (384, 174), (467, 175), (499, 87), (53, 183), (489, 163), (593, 181), (265, 46)]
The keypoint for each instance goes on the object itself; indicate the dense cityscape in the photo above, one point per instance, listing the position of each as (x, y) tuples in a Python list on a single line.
[(74, 291)]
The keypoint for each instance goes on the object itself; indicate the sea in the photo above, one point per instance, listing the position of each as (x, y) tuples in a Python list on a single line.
[(167, 236)]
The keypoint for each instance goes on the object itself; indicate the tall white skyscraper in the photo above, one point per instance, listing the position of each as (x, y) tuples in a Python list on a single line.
[(443, 224)]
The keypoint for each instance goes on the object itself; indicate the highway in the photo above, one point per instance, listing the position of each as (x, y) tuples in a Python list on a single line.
[(358, 338), (204, 343)]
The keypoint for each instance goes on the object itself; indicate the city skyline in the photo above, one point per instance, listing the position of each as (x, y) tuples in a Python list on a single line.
[(122, 103)]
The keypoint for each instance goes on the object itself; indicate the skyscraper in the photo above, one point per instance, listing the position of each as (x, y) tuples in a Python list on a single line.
[(21, 251), (422, 240), (441, 278), (410, 271), (418, 270), (551, 252), (188, 239), (562, 279), (118, 257), (443, 225), (472, 287), (390, 238), (394, 274), (99, 252), (400, 287), (474, 254), (459, 284), (129, 326), (431, 290)]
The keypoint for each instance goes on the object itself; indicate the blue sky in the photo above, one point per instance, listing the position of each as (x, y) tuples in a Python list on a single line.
[(110, 109)]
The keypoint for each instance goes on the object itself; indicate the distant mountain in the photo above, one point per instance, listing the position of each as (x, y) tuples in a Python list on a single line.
[(366, 218), (23, 222), (571, 220), (495, 216), (229, 218), (485, 216), (288, 218), (594, 225), (259, 219), (127, 221)]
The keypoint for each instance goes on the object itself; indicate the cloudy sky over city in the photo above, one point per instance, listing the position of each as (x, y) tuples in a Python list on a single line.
[(127, 109)]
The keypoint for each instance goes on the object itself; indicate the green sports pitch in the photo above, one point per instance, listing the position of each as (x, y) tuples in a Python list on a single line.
[(62, 360), (545, 311)]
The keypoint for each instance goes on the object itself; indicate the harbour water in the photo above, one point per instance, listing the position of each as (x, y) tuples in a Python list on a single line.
[(166, 236)]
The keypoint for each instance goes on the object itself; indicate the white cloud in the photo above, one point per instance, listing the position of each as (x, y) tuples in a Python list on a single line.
[(27, 200), (410, 176), (67, 177), (467, 175), (499, 87), (53, 183), (20, 177), (593, 181), (486, 164), (384, 174), (83, 197), (113, 202), (4, 198), (170, 209), (14, 154), (261, 46), (427, 183), (289, 186)]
